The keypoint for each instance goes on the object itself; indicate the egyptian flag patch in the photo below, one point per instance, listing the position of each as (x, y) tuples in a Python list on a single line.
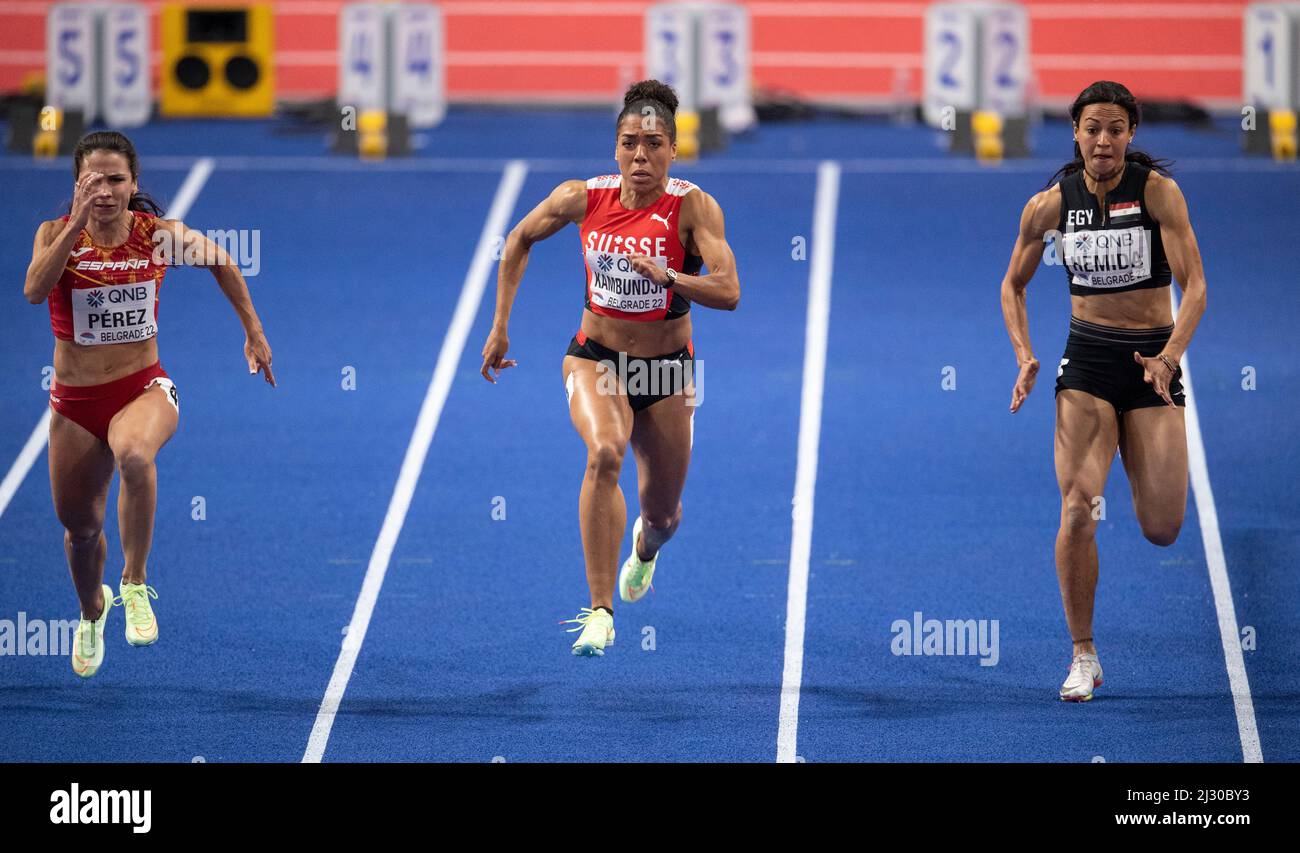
[(1125, 208)]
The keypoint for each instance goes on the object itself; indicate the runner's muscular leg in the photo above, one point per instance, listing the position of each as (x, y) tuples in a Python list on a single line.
[(135, 435), (661, 443), (604, 421), (81, 469), (1086, 438), (1153, 444)]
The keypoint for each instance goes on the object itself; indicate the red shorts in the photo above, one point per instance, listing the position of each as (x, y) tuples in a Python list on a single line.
[(92, 407)]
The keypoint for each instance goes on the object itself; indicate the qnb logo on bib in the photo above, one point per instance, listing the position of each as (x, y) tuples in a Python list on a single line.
[(117, 314), (1104, 259), (616, 285)]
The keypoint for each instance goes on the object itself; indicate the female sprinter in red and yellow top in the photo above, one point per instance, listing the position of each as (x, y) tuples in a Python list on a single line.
[(100, 268)]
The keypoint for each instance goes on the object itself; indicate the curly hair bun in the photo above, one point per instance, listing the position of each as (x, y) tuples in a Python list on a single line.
[(652, 90)]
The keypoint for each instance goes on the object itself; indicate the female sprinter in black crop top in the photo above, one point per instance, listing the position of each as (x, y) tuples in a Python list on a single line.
[(1121, 229)]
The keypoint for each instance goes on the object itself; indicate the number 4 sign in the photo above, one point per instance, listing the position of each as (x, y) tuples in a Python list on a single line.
[(391, 57)]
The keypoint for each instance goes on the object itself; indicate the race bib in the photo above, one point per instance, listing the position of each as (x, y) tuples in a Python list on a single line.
[(1105, 259), (116, 314), (617, 286)]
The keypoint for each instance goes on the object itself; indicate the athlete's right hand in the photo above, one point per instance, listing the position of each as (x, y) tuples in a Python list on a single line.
[(1024, 383), (90, 186), (494, 355)]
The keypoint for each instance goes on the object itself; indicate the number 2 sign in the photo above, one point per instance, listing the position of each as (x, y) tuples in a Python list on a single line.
[(951, 60)]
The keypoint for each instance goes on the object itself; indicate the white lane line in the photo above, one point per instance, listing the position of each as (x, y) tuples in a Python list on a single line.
[(26, 459), (189, 191), (198, 175), (1229, 633), (435, 397), (810, 425)]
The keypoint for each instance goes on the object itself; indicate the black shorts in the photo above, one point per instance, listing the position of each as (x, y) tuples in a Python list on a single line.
[(1099, 360), (645, 381)]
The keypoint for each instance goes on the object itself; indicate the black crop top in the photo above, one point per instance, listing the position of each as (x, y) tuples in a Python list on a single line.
[(1115, 248)]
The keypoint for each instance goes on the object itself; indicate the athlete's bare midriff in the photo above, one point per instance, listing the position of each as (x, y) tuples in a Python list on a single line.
[(81, 365), (636, 338), (1133, 309)]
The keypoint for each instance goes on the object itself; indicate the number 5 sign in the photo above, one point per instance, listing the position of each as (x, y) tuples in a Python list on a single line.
[(127, 102), (71, 58), (97, 61)]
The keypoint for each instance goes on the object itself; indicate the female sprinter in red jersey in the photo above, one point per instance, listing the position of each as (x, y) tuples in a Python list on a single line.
[(1123, 229), (101, 269), (628, 372)]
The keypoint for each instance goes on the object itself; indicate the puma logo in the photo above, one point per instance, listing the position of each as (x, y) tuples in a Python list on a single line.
[(663, 219)]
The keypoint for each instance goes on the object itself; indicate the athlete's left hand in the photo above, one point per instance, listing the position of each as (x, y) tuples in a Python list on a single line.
[(648, 268), (258, 353), (1156, 374)]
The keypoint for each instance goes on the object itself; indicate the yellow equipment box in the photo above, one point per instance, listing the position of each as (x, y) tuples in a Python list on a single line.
[(217, 60)]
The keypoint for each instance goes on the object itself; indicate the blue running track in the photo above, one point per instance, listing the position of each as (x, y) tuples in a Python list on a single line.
[(928, 500)]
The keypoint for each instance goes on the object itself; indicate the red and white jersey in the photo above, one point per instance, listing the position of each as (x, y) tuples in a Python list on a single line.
[(611, 233), (109, 296)]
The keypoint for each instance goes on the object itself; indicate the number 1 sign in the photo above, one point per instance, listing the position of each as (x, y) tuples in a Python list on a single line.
[(1269, 50)]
